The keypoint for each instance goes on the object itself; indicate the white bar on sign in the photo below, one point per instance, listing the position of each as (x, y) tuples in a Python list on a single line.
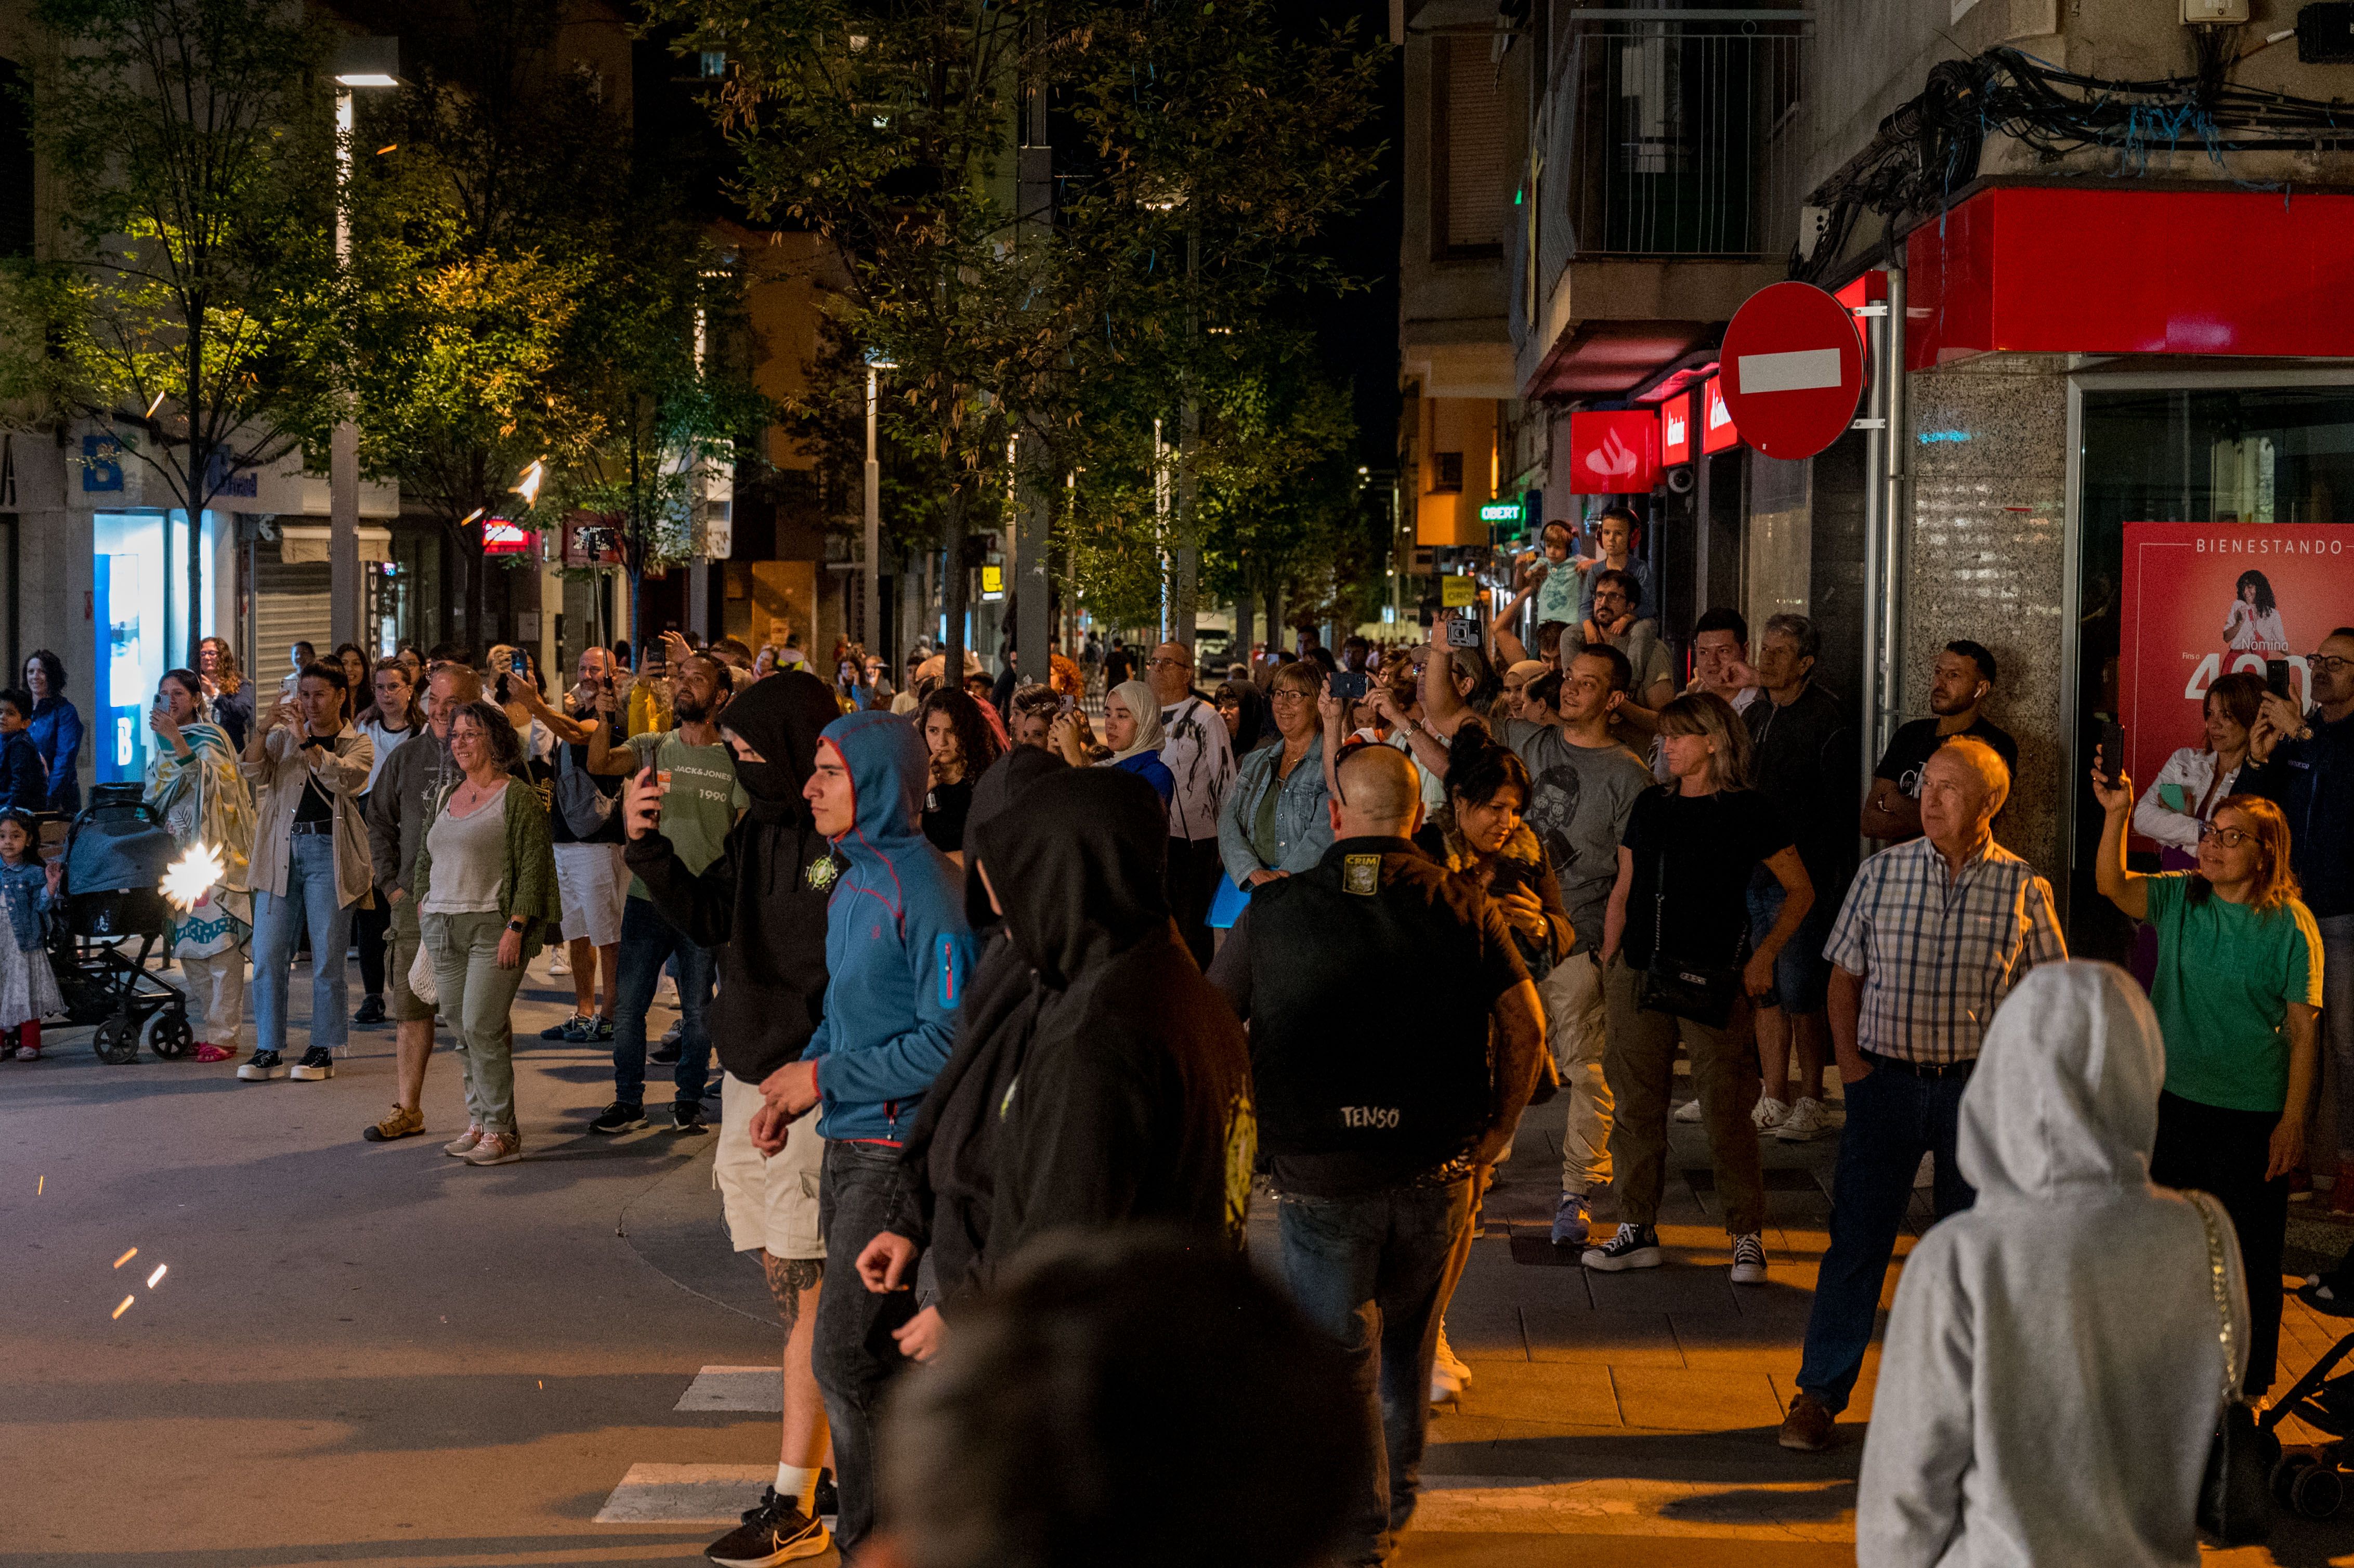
[(1798, 370)]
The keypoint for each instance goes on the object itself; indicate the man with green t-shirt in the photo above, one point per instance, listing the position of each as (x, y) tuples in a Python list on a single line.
[(700, 799)]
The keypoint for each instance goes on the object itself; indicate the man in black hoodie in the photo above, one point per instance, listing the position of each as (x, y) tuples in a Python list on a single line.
[(760, 908), (1125, 1078)]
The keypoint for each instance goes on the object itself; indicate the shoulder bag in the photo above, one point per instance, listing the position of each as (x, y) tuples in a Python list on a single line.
[(1684, 987), (593, 816), (2236, 1499)]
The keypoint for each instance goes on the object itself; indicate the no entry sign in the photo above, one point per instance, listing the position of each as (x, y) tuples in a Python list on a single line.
[(1793, 369)]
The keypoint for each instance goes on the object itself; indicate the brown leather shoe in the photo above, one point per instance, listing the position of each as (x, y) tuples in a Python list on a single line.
[(1807, 1428)]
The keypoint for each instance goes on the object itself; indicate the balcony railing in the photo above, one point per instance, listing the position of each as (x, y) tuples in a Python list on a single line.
[(1679, 131)]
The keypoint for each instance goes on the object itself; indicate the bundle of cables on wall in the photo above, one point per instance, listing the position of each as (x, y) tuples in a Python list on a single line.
[(1928, 150)]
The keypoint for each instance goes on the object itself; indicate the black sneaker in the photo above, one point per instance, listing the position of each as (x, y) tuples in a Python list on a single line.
[(371, 1012), (620, 1117), (318, 1061), (262, 1066), (687, 1116), (602, 1029), (826, 1502), (574, 1028), (1635, 1247), (775, 1531), (664, 1054)]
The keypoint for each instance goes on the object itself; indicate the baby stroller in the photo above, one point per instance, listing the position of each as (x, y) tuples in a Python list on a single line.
[(116, 854), (2312, 1479)]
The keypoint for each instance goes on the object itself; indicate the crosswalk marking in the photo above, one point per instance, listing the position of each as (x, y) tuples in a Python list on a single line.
[(736, 1388), (1619, 1505), (685, 1494)]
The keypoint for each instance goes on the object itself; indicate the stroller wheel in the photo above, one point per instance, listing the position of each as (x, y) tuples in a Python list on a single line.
[(114, 1042), (2318, 1491), (167, 1035)]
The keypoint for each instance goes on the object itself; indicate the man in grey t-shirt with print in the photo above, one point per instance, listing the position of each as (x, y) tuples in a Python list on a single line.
[(1582, 786), (700, 799)]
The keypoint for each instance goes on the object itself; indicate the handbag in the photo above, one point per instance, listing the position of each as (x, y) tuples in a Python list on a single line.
[(2235, 1496), (1705, 993), (593, 816), (420, 978)]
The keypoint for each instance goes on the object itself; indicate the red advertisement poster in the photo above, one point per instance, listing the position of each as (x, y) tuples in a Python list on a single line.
[(2205, 600), (1675, 431)]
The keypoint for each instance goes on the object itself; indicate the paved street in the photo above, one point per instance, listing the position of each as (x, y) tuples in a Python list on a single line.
[(366, 1354)]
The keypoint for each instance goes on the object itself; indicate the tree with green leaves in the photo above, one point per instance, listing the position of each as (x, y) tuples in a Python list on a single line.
[(188, 297)]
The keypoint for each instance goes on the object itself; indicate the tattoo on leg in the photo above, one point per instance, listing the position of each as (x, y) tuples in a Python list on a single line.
[(787, 1278)]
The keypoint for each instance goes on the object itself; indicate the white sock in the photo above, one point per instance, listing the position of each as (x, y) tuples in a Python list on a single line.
[(796, 1483)]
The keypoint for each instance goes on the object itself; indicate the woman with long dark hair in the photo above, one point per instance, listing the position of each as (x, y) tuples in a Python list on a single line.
[(2252, 625), (2238, 996), (962, 746), (55, 728)]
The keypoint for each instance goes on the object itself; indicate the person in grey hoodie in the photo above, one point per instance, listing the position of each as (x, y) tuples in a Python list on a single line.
[(2056, 1361)]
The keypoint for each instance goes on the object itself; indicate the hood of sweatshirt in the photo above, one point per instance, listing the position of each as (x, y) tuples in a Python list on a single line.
[(780, 717), (2063, 1106), (888, 769), (1002, 783), (1080, 862)]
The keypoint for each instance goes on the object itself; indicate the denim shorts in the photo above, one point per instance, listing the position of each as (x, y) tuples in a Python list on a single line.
[(1802, 976)]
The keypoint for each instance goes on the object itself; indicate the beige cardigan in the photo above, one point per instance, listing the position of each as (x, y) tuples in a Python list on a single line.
[(278, 782)]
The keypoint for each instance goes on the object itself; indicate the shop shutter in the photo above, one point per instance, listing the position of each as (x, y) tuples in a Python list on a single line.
[(291, 604), (1474, 143)]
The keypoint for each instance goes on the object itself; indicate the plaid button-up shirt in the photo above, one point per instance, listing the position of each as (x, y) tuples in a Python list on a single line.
[(1938, 952)]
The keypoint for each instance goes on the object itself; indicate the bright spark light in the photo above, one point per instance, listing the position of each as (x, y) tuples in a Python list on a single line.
[(189, 879), (157, 1274), (527, 486), (127, 1300), (126, 1257)]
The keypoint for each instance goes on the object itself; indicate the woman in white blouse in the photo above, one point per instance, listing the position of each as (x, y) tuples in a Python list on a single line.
[(2194, 781)]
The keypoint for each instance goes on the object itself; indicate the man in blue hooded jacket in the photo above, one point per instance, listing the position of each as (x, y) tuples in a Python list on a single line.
[(896, 950)]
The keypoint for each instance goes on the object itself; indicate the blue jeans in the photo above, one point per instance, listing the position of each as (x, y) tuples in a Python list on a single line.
[(309, 899), (2337, 1021), (1802, 976), (852, 1351), (648, 941), (1372, 1273), (1893, 1119)]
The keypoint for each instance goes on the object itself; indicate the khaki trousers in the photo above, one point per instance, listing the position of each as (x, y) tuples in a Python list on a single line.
[(1640, 1067)]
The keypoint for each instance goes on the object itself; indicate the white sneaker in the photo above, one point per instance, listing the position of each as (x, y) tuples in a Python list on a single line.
[(1453, 1364), (559, 962), (1688, 1111), (1806, 1121), (1770, 1114), (1748, 1260)]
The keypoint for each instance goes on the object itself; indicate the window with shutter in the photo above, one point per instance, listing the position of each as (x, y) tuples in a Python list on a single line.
[(1466, 144)]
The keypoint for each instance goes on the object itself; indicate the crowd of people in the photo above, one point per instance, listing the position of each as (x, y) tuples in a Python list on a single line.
[(984, 970)]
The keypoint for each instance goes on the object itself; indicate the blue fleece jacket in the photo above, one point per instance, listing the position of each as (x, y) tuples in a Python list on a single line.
[(896, 945)]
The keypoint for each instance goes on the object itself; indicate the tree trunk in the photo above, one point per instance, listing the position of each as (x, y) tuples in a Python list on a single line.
[(196, 496), (1245, 624), (953, 591)]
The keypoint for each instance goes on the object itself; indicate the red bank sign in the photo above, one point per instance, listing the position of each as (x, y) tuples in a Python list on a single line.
[(1614, 453), (1675, 431), (1717, 432), (2201, 601)]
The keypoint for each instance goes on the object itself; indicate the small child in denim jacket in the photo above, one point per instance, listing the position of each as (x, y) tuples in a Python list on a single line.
[(28, 988)]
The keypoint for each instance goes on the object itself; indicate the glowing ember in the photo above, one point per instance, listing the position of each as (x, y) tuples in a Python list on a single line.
[(126, 1257), (127, 1300), (157, 1274), (188, 881)]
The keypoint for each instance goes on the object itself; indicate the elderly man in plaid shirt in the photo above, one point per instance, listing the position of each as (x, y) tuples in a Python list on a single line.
[(1934, 934)]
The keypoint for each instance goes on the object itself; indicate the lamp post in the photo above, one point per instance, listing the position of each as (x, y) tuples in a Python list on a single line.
[(872, 607), (359, 63)]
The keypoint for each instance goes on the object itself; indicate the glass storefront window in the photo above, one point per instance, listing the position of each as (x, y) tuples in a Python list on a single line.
[(127, 615), (2196, 454)]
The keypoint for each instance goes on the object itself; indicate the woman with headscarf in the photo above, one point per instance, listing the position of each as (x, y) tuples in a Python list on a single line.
[(2056, 1361), (1131, 726), (1239, 704), (771, 884), (1130, 1100), (195, 785)]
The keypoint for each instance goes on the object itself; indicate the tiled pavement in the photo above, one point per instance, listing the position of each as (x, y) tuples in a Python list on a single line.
[(1631, 1418)]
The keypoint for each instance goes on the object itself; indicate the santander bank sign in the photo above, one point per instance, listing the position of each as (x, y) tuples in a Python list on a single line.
[(1614, 453)]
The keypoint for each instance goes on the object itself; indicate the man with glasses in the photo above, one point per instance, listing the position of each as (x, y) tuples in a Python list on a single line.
[(1196, 751), (2304, 762)]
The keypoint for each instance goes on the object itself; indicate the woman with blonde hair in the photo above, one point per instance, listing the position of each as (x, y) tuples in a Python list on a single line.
[(2237, 992), (1677, 967)]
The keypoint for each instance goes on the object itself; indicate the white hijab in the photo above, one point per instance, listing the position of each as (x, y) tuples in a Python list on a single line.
[(1140, 700)]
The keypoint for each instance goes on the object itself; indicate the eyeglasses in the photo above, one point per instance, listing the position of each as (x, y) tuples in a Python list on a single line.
[(1168, 664), (1287, 695), (2326, 663), (2230, 838)]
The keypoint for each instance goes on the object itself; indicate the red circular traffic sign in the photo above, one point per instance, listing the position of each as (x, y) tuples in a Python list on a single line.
[(1792, 370)]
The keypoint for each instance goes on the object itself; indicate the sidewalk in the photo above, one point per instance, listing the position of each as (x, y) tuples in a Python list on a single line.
[(1632, 1418)]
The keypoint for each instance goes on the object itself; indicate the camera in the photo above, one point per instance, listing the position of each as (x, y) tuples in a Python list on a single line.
[(1462, 633)]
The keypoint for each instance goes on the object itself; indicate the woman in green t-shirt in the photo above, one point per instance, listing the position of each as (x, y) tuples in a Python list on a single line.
[(2237, 990)]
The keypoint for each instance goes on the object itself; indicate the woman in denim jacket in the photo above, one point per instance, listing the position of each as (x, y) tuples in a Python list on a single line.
[(1275, 821)]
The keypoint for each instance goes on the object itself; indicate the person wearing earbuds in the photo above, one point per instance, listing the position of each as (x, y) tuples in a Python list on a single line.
[(1959, 683)]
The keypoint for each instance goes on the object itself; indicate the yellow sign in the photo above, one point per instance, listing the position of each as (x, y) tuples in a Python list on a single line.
[(992, 582), (1456, 592)]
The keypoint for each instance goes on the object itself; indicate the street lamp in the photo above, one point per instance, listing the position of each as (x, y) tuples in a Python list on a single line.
[(874, 574), (360, 63)]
